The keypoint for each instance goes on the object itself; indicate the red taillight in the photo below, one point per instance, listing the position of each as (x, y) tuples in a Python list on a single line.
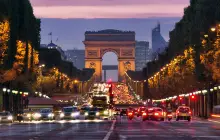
[(129, 113), (178, 112), (190, 112), (144, 114), (156, 114)]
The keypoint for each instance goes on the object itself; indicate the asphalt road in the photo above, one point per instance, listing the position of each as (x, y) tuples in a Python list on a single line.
[(121, 129)]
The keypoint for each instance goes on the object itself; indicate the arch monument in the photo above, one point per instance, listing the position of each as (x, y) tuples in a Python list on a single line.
[(122, 43)]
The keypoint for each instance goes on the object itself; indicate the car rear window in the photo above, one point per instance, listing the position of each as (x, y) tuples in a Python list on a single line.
[(142, 109), (154, 110), (157, 109), (183, 109)]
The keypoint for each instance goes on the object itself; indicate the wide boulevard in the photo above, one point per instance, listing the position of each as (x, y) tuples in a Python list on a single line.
[(119, 129)]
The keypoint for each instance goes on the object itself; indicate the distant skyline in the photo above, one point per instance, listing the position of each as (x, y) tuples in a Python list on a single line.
[(69, 19), (70, 32), (108, 8)]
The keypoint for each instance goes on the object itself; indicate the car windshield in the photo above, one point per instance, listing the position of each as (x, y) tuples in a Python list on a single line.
[(70, 109), (45, 111), (101, 109), (4, 113), (85, 108), (93, 109)]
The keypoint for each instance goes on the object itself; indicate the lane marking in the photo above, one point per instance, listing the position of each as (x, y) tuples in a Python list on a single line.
[(213, 121), (138, 136), (110, 131), (136, 130), (206, 136), (122, 137)]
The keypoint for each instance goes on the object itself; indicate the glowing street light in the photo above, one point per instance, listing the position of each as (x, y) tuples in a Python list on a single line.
[(4, 89), (213, 29), (75, 81)]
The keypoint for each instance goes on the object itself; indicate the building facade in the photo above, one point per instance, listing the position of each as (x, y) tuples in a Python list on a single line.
[(158, 42), (51, 45), (77, 57), (142, 54)]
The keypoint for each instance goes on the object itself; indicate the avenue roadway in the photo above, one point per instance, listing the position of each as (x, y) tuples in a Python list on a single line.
[(120, 129)]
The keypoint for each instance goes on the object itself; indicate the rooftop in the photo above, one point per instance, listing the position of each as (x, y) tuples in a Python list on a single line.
[(110, 31)]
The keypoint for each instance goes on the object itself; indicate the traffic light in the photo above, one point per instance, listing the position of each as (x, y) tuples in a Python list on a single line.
[(110, 89), (111, 94)]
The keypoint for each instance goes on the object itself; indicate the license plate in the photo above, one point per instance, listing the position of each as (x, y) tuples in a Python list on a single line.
[(150, 114), (183, 114)]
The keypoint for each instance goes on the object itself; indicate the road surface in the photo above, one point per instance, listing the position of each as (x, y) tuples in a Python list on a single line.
[(120, 129)]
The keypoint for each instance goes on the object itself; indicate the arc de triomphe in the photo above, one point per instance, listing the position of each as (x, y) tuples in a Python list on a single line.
[(122, 43)]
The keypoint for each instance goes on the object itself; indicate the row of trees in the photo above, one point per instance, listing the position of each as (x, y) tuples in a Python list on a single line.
[(190, 62), (19, 43)]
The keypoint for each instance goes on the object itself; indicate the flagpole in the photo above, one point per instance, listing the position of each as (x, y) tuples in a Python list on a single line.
[(51, 37)]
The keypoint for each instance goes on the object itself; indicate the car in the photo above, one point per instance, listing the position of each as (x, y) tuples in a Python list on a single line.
[(70, 112), (183, 113), (6, 116), (84, 109), (103, 113), (116, 111), (136, 111), (140, 111), (155, 113), (44, 114), (92, 113), (123, 112), (25, 115)]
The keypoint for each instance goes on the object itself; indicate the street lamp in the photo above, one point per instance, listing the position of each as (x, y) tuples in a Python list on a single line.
[(4, 89), (213, 29), (75, 81)]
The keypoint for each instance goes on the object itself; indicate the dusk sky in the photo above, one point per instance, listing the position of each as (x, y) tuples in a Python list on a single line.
[(108, 8), (69, 19)]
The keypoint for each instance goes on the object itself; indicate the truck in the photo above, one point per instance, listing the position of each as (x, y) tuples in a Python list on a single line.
[(101, 102)]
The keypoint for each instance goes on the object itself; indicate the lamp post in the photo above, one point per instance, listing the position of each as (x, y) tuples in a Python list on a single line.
[(41, 75), (4, 98)]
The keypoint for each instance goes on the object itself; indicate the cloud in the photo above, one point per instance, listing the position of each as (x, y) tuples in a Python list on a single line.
[(103, 2), (109, 11)]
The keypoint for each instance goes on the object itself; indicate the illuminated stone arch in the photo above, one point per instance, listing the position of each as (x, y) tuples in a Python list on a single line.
[(122, 43)]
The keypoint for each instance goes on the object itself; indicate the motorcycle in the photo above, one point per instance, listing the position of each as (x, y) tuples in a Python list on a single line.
[(20, 116), (130, 115), (169, 116)]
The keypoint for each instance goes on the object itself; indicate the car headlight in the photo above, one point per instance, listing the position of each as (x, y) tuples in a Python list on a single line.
[(28, 115), (86, 114), (75, 114), (50, 115), (106, 112), (62, 115), (10, 117), (37, 115), (97, 114)]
